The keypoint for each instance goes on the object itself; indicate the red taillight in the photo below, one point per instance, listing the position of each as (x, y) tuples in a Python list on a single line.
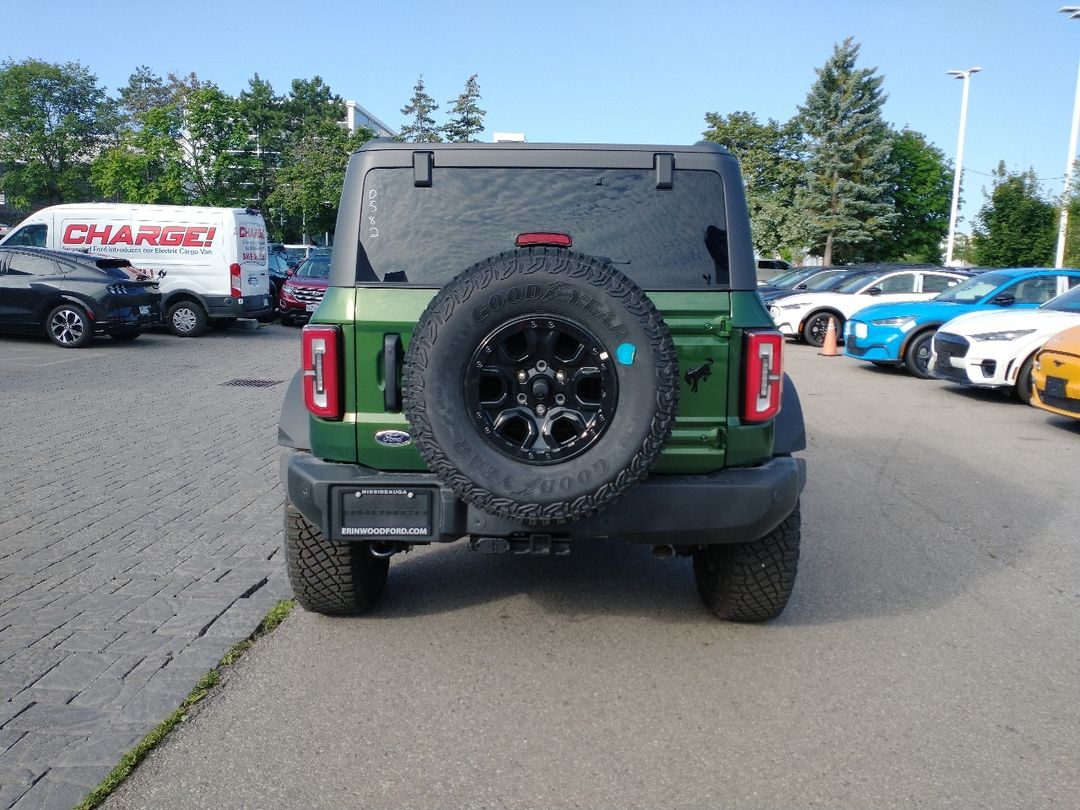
[(322, 371), (234, 281), (764, 375), (548, 239)]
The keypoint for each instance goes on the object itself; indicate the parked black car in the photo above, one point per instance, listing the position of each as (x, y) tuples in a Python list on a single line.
[(74, 296), (278, 263)]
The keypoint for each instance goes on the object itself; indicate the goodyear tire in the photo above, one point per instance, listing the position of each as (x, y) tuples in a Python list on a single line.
[(541, 385), (750, 582), (337, 579)]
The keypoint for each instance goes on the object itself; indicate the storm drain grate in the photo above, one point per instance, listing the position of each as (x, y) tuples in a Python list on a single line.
[(254, 383)]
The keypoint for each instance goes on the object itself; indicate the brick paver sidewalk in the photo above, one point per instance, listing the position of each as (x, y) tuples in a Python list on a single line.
[(140, 528)]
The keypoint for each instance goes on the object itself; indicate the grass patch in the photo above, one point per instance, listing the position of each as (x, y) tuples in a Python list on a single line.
[(128, 761)]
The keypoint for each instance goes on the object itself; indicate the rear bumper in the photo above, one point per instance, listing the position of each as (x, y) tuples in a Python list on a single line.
[(734, 505), (125, 319), (228, 307)]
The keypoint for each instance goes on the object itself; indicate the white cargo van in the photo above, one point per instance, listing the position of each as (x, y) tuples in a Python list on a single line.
[(211, 262)]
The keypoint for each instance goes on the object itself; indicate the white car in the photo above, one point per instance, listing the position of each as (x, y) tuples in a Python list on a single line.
[(806, 315), (996, 349)]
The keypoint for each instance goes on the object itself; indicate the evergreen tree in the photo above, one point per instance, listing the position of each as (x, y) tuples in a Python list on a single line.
[(847, 195), (467, 119), (265, 117), (310, 104), (144, 91), (1016, 226), (421, 127)]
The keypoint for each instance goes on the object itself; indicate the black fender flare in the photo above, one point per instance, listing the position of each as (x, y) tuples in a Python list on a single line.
[(789, 430), (294, 426)]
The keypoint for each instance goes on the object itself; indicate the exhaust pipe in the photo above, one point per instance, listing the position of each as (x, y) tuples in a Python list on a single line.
[(663, 552)]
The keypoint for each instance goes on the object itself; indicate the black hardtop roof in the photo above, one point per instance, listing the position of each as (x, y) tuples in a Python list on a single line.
[(73, 256), (385, 143)]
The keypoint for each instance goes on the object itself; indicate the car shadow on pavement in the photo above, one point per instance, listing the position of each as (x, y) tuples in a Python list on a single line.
[(598, 577)]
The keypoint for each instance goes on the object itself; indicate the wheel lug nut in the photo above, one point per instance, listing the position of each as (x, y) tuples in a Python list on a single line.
[(522, 399), (541, 365), (540, 410), (560, 377), (522, 376)]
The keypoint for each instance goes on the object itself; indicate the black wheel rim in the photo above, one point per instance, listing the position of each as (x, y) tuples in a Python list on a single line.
[(818, 329), (541, 389), (922, 357)]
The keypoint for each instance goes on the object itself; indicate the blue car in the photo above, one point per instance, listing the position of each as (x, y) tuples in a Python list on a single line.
[(903, 333)]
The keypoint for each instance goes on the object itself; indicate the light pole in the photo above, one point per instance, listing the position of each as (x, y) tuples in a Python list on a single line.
[(966, 76), (1063, 226)]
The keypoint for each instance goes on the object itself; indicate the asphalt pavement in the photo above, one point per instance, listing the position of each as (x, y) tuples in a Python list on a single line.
[(930, 656)]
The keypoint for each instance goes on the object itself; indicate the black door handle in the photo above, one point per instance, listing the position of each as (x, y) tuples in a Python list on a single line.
[(392, 358)]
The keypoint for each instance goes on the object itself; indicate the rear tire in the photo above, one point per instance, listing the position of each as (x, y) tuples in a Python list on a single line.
[(186, 319), (917, 356), (336, 579), (750, 582), (68, 326)]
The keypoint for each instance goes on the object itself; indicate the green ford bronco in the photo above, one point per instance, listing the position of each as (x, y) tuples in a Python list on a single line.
[(533, 346)]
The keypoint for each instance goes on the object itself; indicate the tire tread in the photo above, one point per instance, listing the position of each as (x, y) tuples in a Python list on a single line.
[(337, 579), (750, 582)]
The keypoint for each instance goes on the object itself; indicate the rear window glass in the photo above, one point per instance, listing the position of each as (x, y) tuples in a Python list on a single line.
[(662, 238)]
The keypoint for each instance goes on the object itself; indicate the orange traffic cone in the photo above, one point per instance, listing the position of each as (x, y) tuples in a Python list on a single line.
[(828, 346)]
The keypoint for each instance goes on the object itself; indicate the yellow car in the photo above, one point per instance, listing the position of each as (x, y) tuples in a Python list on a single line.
[(1056, 374)]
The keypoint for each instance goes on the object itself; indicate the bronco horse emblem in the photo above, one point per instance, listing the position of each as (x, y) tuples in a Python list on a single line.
[(699, 374)]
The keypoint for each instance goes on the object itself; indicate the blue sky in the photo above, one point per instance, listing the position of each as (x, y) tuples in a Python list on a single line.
[(612, 72)]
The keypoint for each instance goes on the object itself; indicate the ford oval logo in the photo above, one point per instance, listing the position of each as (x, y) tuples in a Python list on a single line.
[(393, 438)]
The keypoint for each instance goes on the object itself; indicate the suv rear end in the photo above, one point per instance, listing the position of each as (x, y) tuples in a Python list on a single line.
[(514, 338)]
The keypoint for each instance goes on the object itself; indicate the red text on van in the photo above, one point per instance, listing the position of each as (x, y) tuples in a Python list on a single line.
[(77, 233)]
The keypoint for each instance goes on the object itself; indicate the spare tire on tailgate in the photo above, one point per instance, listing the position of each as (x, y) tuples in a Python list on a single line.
[(541, 385)]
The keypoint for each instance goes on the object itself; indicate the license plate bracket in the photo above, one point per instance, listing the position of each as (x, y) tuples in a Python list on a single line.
[(1055, 387), (312, 307), (384, 513)]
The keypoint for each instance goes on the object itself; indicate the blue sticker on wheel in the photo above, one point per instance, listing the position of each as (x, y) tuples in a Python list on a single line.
[(625, 353)]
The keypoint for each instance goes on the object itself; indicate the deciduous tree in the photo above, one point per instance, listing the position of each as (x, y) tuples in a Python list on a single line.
[(771, 158), (921, 192), (52, 121), (308, 184), (1016, 226)]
